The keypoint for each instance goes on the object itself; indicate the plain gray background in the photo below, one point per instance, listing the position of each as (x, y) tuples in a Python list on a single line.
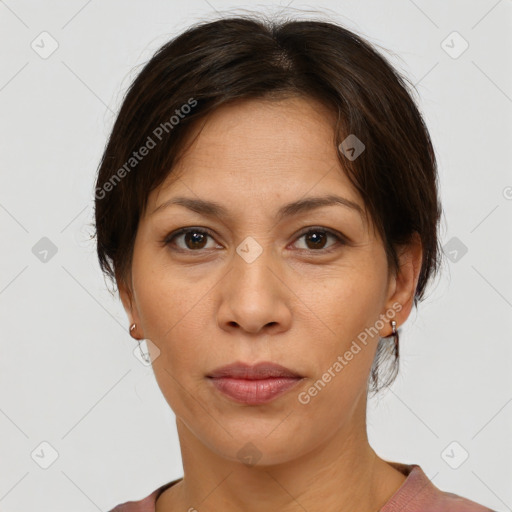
[(71, 388)]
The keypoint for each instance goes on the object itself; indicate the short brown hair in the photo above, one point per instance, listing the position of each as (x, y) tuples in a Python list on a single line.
[(248, 57)]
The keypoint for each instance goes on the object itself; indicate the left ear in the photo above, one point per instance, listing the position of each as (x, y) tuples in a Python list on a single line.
[(402, 285)]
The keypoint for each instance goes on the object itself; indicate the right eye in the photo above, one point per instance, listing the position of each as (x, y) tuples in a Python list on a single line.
[(193, 239)]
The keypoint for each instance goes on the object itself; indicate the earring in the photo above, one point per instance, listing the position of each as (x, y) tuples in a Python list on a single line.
[(394, 333), (144, 356)]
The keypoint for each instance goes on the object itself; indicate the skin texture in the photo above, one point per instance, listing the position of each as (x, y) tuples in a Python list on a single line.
[(297, 304)]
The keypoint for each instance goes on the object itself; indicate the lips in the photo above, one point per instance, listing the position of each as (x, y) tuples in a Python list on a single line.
[(254, 384), (263, 370)]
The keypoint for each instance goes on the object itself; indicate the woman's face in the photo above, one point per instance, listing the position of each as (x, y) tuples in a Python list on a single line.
[(263, 282)]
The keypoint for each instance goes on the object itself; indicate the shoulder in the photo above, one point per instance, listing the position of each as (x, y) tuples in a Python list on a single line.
[(419, 494), (450, 502), (145, 505)]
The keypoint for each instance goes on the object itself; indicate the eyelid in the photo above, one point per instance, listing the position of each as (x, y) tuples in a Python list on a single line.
[(181, 231), (333, 232), (341, 239)]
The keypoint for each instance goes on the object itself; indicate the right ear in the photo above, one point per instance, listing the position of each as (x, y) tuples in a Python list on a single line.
[(126, 296)]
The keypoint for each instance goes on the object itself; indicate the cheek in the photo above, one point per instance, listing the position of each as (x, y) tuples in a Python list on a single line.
[(342, 312), (174, 318), (175, 311), (343, 357), (166, 299), (347, 300)]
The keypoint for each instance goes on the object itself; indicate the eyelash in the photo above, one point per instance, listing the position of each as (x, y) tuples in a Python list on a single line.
[(340, 239)]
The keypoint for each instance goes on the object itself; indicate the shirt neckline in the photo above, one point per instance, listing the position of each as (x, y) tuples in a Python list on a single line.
[(416, 480), (415, 484)]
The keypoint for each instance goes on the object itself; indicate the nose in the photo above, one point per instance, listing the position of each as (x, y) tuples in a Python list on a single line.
[(255, 297)]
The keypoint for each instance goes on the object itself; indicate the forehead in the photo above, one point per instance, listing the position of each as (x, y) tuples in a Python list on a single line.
[(256, 152), (293, 128), (258, 139)]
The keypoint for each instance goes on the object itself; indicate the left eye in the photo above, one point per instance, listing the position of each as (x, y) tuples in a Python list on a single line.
[(195, 239), (316, 238)]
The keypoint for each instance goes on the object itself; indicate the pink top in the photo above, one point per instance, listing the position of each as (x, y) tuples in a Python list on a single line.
[(416, 494)]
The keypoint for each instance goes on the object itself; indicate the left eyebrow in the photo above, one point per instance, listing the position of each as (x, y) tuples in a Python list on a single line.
[(213, 209)]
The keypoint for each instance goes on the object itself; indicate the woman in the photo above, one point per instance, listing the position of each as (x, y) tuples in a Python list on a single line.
[(268, 206)]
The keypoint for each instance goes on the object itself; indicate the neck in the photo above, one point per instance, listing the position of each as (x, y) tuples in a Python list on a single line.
[(341, 473)]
